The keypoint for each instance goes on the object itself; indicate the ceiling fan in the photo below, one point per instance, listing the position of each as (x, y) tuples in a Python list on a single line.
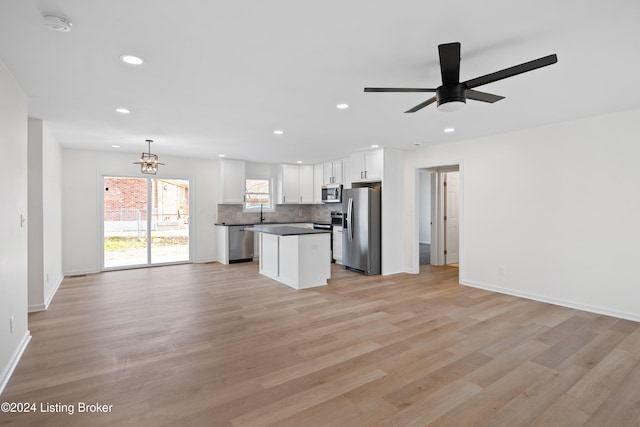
[(453, 94)]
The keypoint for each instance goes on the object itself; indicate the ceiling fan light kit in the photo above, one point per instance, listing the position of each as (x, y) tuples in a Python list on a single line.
[(451, 98), (452, 95)]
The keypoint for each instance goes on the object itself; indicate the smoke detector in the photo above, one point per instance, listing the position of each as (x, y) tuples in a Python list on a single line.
[(56, 22)]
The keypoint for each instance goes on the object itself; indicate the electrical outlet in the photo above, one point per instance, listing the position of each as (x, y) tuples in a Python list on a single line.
[(47, 277), (11, 323), (501, 270)]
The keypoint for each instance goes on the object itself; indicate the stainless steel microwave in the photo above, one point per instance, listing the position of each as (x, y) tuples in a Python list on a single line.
[(332, 193)]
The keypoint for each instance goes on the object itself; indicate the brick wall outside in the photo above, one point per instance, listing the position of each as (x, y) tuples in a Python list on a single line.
[(125, 199)]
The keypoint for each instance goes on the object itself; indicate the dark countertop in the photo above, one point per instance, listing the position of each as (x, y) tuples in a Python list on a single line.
[(272, 223), (284, 230)]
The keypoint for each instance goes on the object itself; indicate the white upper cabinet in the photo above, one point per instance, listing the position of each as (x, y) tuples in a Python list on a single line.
[(296, 184), (365, 166), (289, 184), (333, 172), (231, 181), (318, 180), (306, 184)]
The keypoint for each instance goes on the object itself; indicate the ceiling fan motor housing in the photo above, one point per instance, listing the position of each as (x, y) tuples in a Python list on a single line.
[(451, 93)]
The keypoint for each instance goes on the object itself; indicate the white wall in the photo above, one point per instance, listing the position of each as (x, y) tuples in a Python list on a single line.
[(424, 207), (52, 218), (555, 208), (82, 187), (45, 215), (13, 250), (262, 170), (34, 196), (392, 215)]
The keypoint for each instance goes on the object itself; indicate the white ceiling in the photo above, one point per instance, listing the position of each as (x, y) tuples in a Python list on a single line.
[(220, 76)]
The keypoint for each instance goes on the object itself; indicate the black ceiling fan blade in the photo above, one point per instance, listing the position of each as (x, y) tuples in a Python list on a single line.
[(482, 96), (396, 89), (422, 105), (511, 71), (450, 63)]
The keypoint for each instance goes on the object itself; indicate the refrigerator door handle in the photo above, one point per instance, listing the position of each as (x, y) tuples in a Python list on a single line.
[(350, 219)]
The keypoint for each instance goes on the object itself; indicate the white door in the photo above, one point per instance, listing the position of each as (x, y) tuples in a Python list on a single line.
[(452, 221)]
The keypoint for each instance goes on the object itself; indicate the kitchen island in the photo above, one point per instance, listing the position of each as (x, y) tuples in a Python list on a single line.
[(297, 257)]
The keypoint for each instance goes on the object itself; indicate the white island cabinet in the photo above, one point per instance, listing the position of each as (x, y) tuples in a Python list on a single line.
[(297, 257)]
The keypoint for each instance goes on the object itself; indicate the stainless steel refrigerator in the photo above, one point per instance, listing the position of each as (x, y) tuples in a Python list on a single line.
[(361, 230)]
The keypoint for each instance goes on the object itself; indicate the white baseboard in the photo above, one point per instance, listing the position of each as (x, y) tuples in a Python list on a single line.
[(205, 260), (45, 306), (53, 293), (555, 301), (36, 308), (8, 370)]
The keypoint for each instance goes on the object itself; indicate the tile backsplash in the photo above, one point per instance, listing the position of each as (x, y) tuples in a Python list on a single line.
[(232, 214)]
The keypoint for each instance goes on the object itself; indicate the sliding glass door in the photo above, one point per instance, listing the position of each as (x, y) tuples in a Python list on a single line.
[(125, 221), (145, 221), (169, 221)]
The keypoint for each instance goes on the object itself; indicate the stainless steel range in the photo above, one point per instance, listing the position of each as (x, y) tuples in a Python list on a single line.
[(326, 226)]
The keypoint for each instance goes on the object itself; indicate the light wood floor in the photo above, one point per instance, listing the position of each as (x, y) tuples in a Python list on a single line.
[(214, 345)]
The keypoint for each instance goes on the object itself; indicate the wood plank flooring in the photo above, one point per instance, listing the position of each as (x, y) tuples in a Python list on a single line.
[(215, 345)]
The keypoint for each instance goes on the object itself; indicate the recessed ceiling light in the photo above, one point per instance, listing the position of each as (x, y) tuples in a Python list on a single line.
[(278, 132), (342, 106), (115, 146), (299, 161), (221, 155), (131, 59), (449, 130), (123, 110), (375, 146)]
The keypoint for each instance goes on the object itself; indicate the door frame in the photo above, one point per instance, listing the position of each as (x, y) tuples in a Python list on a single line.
[(100, 218), (440, 215), (437, 206)]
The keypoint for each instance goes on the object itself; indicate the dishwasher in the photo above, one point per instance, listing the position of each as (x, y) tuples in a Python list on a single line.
[(240, 244)]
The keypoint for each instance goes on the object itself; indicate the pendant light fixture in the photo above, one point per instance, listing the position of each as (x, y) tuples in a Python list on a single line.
[(148, 162)]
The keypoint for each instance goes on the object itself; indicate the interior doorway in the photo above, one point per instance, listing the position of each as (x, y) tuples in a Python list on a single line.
[(425, 178), (439, 215), (145, 221)]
